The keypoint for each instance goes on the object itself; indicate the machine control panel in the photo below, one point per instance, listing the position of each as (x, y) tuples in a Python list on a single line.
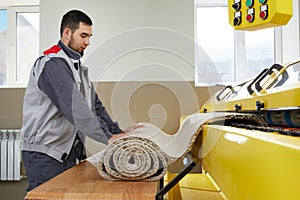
[(258, 14)]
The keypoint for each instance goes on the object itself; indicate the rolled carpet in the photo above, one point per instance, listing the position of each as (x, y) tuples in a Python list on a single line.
[(147, 151)]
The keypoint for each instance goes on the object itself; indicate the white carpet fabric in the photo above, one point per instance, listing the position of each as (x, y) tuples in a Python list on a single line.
[(146, 152)]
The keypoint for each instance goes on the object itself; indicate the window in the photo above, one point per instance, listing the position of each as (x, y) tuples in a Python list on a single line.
[(216, 38), (27, 44), (3, 46), (19, 32), (225, 56), (259, 50)]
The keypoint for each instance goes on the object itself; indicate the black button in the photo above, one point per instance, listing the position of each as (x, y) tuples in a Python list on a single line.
[(237, 21), (64, 156), (236, 6)]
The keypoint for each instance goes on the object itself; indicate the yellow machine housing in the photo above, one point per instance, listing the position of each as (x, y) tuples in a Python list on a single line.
[(260, 162), (252, 164), (241, 161), (258, 14)]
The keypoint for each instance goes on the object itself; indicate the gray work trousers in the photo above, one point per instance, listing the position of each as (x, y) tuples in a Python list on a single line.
[(40, 167)]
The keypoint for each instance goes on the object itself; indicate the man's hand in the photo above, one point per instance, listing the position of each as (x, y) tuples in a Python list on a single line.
[(131, 128), (125, 133), (117, 136)]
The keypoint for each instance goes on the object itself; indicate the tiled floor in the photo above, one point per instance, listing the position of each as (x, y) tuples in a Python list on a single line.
[(13, 190)]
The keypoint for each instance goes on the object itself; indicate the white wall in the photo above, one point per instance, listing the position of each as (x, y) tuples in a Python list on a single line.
[(134, 40), (18, 2)]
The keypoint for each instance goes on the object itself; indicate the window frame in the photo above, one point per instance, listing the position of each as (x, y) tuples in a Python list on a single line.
[(11, 70), (239, 45)]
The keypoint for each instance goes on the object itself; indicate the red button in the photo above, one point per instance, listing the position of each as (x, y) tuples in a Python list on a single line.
[(249, 18), (263, 14)]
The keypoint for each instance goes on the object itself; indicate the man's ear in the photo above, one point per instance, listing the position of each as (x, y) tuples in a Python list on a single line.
[(67, 33)]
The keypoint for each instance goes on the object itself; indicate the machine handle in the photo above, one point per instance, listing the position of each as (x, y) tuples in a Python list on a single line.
[(249, 88), (227, 87), (285, 77), (270, 71)]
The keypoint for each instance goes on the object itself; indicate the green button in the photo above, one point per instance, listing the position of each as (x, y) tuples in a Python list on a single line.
[(262, 1), (249, 3)]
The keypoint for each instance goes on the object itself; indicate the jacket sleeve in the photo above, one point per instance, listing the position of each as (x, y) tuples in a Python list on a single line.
[(106, 120), (57, 82)]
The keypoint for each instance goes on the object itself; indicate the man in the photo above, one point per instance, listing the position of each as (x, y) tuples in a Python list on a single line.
[(61, 106)]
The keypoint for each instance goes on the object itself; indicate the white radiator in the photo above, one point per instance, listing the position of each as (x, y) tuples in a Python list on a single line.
[(10, 157)]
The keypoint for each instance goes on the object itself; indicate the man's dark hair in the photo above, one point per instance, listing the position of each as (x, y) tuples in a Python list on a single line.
[(72, 19)]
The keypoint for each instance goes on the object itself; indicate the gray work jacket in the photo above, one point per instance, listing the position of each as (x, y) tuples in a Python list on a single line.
[(55, 108)]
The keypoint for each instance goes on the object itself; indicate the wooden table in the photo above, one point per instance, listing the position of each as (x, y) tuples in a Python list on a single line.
[(83, 182)]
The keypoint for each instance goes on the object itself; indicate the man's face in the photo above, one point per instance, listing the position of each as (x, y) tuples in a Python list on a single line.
[(80, 39)]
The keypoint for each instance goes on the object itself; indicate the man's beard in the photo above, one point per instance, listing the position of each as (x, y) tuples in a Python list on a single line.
[(71, 44)]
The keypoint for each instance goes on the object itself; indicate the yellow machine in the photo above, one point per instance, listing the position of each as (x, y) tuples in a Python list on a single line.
[(257, 162), (244, 161), (258, 14)]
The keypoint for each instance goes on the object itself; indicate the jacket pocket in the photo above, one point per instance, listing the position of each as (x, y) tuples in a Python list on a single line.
[(59, 130)]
